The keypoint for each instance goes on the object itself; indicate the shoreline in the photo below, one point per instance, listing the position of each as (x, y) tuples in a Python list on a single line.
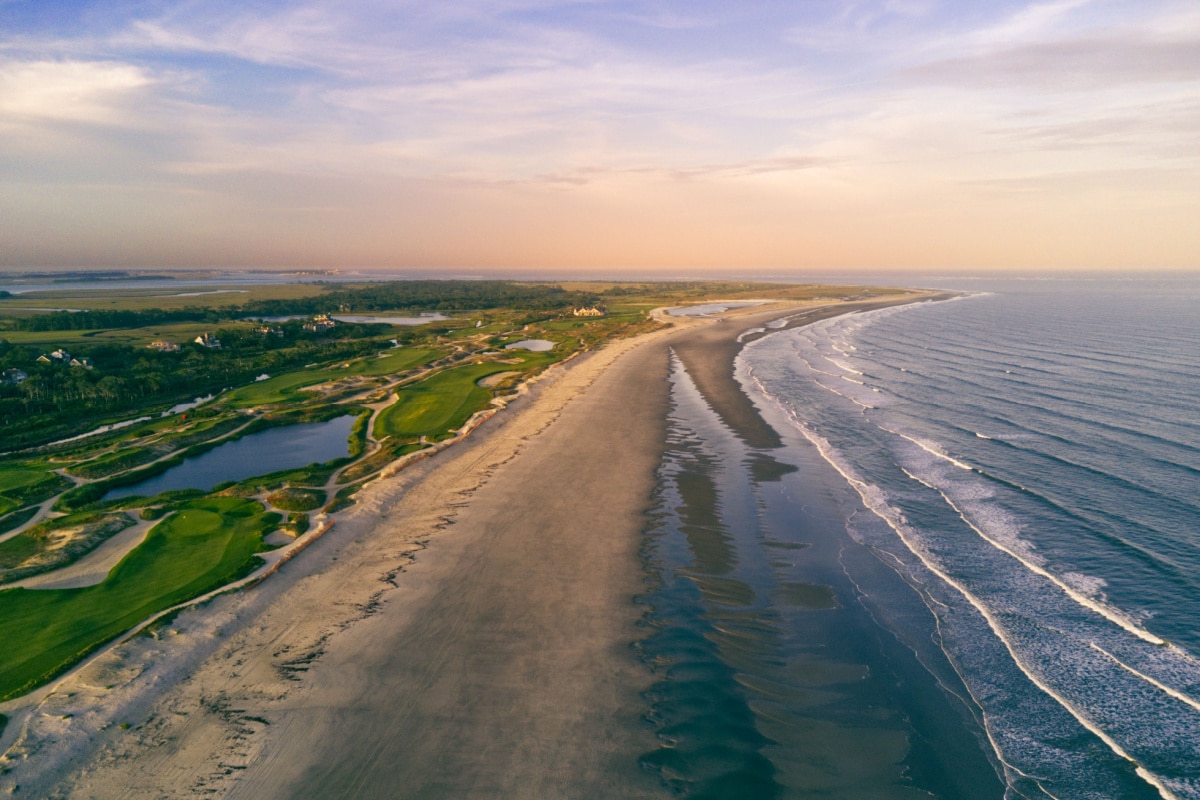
[(512, 664)]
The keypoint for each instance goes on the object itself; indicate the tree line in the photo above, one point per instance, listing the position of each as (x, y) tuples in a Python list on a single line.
[(427, 295), (57, 400)]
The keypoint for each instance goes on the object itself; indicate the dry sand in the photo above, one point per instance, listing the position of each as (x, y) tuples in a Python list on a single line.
[(463, 631)]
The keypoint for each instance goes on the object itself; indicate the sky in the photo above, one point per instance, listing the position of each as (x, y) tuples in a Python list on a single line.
[(644, 135)]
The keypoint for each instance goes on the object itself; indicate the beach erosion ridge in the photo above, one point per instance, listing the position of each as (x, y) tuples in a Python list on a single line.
[(392, 660)]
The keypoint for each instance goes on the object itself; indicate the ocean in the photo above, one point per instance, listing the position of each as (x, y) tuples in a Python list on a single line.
[(972, 569)]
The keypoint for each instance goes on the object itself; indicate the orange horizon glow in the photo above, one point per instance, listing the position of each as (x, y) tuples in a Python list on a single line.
[(1022, 136)]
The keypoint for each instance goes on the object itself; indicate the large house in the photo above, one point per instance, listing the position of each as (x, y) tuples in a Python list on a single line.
[(13, 376), (61, 356), (590, 311), (207, 340), (321, 322), (163, 346)]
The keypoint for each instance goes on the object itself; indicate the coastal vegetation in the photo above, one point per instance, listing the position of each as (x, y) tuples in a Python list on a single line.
[(204, 545), (57, 542), (143, 398), (438, 404)]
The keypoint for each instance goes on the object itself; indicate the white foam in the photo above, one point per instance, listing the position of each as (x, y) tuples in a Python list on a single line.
[(933, 449), (966, 495), (876, 501), (744, 334), (1178, 695), (1108, 612)]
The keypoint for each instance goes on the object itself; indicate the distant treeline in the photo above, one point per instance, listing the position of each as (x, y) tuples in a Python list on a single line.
[(427, 296), (91, 320), (56, 399), (398, 295)]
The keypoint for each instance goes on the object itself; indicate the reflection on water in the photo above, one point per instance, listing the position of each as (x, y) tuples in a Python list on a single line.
[(533, 345), (782, 652), (287, 447), (707, 309), (423, 319)]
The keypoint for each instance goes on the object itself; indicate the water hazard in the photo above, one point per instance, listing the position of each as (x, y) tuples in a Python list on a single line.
[(274, 449)]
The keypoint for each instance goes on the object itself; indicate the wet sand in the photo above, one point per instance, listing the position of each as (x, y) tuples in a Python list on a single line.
[(708, 353), (464, 631)]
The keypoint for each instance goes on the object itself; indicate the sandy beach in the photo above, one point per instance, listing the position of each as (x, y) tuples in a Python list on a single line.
[(463, 630)]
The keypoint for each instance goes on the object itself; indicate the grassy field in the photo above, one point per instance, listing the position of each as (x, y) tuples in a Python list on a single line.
[(14, 477), (393, 362), (178, 332), (207, 544), (23, 483), (112, 463), (138, 299), (438, 404), (283, 388)]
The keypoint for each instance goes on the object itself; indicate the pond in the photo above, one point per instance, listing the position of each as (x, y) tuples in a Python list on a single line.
[(705, 309), (424, 319), (181, 407), (287, 447), (534, 345), (421, 320)]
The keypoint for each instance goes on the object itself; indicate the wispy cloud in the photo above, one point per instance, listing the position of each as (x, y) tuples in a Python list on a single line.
[(1031, 22), (80, 91), (1093, 62), (836, 107)]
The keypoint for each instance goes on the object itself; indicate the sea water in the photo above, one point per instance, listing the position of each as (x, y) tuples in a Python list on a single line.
[(972, 570)]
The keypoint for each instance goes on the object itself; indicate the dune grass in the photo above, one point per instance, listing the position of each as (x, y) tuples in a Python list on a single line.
[(205, 545), (293, 499)]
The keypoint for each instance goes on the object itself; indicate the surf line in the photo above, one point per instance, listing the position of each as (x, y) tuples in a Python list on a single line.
[(894, 520), (1178, 695), (864, 492), (1102, 609)]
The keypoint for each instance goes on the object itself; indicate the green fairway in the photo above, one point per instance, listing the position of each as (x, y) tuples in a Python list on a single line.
[(438, 404), (200, 548), (395, 361), (25, 484), (283, 388), (20, 475)]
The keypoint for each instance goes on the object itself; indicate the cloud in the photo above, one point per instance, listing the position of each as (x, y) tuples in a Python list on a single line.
[(1031, 22), (76, 91), (1094, 62), (699, 172)]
